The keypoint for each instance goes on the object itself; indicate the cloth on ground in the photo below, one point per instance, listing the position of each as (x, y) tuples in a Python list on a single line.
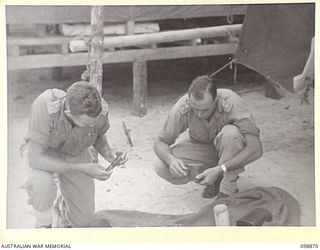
[(284, 208)]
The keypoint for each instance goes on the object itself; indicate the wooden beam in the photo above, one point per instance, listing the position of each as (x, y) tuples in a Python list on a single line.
[(120, 56), (30, 41), (140, 87), (160, 37)]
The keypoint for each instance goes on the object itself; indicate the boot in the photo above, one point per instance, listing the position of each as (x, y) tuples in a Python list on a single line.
[(212, 190)]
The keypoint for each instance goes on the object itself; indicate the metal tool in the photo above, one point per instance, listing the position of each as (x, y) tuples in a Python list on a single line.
[(116, 161)]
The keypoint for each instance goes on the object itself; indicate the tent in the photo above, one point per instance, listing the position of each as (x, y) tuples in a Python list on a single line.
[(276, 39)]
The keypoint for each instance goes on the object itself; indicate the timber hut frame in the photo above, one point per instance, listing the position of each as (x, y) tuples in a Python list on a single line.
[(128, 47)]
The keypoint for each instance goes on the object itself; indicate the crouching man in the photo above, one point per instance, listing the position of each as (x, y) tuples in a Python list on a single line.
[(222, 138), (62, 128)]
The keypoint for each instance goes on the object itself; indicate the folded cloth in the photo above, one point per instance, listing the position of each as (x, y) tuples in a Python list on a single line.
[(284, 208)]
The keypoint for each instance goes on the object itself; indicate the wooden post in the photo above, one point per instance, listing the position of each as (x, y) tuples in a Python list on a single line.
[(96, 47), (140, 87), (96, 55), (130, 27)]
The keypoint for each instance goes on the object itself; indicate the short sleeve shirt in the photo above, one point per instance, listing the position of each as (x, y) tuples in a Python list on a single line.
[(230, 109), (50, 128)]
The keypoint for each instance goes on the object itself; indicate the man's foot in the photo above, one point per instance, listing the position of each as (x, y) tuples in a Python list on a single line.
[(209, 192), (212, 190)]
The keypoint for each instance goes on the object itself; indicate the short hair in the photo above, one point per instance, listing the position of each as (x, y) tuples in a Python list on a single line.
[(83, 99), (200, 85)]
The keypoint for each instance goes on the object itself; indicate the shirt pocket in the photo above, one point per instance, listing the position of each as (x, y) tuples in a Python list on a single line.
[(79, 139)]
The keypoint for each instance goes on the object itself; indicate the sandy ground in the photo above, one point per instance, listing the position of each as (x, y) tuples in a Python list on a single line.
[(287, 134)]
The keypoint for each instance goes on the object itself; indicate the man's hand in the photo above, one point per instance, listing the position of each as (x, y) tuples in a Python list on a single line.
[(95, 170), (177, 167), (112, 154), (209, 176)]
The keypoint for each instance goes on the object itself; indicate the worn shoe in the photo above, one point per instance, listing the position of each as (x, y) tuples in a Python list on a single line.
[(209, 192), (212, 190)]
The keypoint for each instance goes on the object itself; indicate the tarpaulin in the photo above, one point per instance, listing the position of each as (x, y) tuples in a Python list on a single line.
[(284, 210), (116, 13), (276, 39)]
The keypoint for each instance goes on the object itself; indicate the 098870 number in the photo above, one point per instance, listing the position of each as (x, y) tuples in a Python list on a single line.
[(308, 245)]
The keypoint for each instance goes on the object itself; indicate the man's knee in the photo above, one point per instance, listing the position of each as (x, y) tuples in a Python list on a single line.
[(42, 190), (230, 135)]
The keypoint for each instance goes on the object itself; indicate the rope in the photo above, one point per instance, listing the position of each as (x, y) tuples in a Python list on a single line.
[(230, 19), (222, 68), (177, 98)]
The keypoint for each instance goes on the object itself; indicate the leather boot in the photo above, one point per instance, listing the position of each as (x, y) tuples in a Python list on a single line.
[(212, 190)]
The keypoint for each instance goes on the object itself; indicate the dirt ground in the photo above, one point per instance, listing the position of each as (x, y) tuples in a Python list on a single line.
[(287, 134)]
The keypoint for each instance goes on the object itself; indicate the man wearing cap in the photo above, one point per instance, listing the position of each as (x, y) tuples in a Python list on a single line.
[(63, 127), (222, 138)]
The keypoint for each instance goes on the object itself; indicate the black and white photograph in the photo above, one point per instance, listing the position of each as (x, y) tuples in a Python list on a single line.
[(198, 115)]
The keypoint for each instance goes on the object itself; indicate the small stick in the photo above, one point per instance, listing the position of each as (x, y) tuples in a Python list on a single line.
[(127, 133)]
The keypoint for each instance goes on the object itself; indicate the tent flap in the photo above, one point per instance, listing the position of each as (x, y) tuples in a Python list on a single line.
[(275, 40)]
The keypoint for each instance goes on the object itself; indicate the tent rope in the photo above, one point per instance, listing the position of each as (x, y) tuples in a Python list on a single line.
[(222, 68), (230, 18), (127, 131)]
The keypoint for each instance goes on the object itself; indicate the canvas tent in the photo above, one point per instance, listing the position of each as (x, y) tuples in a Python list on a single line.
[(116, 13), (275, 40)]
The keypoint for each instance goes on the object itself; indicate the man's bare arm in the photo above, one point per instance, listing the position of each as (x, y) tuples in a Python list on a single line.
[(103, 147), (41, 160), (251, 152), (164, 152)]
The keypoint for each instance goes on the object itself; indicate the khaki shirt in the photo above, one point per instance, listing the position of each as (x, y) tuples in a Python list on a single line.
[(230, 109), (50, 128)]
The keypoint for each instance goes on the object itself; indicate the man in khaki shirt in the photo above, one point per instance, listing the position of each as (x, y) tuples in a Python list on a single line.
[(62, 128), (222, 139)]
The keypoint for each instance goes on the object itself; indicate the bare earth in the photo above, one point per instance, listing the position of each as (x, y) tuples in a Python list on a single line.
[(287, 134)]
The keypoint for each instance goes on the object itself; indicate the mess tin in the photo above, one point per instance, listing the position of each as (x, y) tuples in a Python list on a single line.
[(194, 169)]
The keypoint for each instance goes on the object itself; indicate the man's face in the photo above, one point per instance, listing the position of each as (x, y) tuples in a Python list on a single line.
[(83, 120), (203, 108)]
